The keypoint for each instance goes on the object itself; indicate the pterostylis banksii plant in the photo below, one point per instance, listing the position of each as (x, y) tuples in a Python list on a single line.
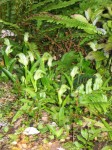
[(9, 62), (34, 67), (71, 78)]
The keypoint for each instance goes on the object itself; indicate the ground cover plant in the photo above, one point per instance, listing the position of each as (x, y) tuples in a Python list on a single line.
[(56, 75)]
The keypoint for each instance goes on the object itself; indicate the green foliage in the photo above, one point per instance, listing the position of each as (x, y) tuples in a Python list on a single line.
[(93, 130), (59, 5), (45, 86), (73, 88), (48, 18)]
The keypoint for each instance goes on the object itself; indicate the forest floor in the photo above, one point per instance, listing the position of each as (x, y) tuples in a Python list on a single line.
[(8, 130), (11, 135)]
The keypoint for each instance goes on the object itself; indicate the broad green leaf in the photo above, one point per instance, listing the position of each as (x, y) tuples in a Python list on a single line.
[(69, 58), (79, 18), (85, 134), (79, 145), (97, 56)]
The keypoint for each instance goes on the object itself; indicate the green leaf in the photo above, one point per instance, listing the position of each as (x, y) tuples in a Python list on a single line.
[(78, 145), (85, 134), (59, 132), (52, 129), (8, 74), (81, 139), (17, 115), (68, 79), (61, 91), (69, 58), (30, 91), (61, 116), (11, 64), (79, 18), (97, 56)]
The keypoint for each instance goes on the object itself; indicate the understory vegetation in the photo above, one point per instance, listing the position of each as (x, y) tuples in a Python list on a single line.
[(56, 74)]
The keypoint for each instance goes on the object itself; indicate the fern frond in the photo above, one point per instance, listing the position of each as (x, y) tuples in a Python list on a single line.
[(93, 4), (65, 21), (59, 5), (9, 24), (40, 4)]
